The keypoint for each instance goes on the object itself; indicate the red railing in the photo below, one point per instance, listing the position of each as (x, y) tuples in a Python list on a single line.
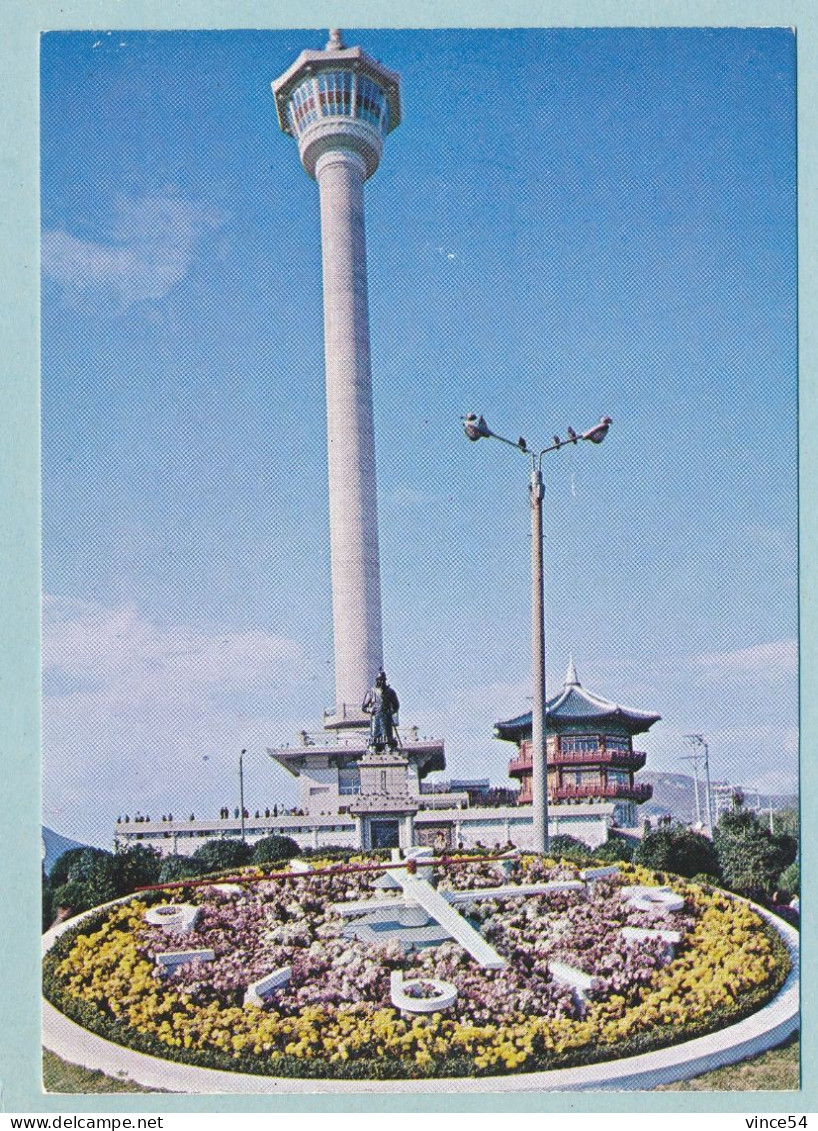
[(628, 759), (638, 792)]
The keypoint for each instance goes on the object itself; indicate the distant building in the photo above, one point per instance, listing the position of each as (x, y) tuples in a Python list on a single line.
[(723, 794), (590, 753)]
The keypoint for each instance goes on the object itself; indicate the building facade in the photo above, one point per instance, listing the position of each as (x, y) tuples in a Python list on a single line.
[(350, 797)]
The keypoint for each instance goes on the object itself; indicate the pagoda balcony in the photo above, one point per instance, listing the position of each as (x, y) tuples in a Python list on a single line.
[(614, 791), (626, 759), (638, 792)]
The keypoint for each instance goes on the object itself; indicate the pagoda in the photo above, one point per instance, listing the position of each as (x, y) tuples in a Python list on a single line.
[(590, 753)]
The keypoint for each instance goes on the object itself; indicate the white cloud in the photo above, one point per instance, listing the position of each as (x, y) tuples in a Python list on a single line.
[(125, 658), (773, 658), (150, 250), (144, 716)]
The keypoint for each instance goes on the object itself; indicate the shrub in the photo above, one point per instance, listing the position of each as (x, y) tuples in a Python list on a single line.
[(48, 904), (706, 880), (271, 849), (136, 867), (751, 859), (76, 862), (180, 868), (615, 848), (564, 845), (81, 895), (218, 855), (83, 878), (790, 878), (787, 848), (677, 849)]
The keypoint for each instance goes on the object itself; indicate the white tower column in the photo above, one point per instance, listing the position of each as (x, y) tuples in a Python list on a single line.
[(356, 586), (340, 104)]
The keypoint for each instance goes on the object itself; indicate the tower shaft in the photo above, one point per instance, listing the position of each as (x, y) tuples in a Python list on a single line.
[(356, 586), (340, 104)]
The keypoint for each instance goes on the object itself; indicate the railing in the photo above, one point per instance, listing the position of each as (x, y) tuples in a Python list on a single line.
[(639, 792), (629, 759)]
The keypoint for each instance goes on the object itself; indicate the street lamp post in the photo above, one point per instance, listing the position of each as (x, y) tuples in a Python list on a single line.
[(698, 742), (694, 758), (476, 428)]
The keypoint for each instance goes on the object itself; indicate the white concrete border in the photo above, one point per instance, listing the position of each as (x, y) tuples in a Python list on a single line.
[(771, 1025)]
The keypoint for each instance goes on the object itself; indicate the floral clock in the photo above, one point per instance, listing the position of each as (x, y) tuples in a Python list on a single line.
[(427, 968)]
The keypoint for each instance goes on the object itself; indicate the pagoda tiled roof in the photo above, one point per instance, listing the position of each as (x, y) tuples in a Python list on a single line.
[(573, 704)]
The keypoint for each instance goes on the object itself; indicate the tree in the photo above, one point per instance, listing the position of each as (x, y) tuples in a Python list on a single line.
[(787, 848), (790, 879), (73, 858), (219, 855), (564, 845), (47, 902), (786, 821), (674, 848), (83, 878), (615, 848), (751, 859), (136, 867), (271, 849)]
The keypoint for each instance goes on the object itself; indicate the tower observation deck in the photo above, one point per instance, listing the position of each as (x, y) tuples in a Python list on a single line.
[(339, 104)]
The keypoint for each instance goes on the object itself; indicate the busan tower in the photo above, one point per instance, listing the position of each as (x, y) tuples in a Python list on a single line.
[(339, 104)]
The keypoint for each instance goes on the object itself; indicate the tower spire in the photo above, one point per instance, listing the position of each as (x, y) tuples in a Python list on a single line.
[(571, 678)]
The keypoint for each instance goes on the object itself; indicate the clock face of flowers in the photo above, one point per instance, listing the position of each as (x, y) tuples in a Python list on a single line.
[(585, 966), (295, 924)]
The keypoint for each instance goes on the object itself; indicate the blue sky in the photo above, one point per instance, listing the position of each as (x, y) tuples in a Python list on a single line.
[(566, 223)]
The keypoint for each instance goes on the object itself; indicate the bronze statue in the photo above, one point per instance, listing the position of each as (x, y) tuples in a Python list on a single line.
[(381, 703)]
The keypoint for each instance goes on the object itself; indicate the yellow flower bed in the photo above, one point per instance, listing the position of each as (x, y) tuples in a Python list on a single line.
[(727, 955)]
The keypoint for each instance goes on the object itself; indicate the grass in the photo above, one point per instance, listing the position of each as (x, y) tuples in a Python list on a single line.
[(60, 1076), (776, 1070)]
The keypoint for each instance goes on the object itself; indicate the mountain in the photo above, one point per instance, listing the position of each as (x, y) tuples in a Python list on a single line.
[(54, 845), (675, 794)]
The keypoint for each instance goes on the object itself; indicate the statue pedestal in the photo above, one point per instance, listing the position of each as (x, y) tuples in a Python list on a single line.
[(385, 807)]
